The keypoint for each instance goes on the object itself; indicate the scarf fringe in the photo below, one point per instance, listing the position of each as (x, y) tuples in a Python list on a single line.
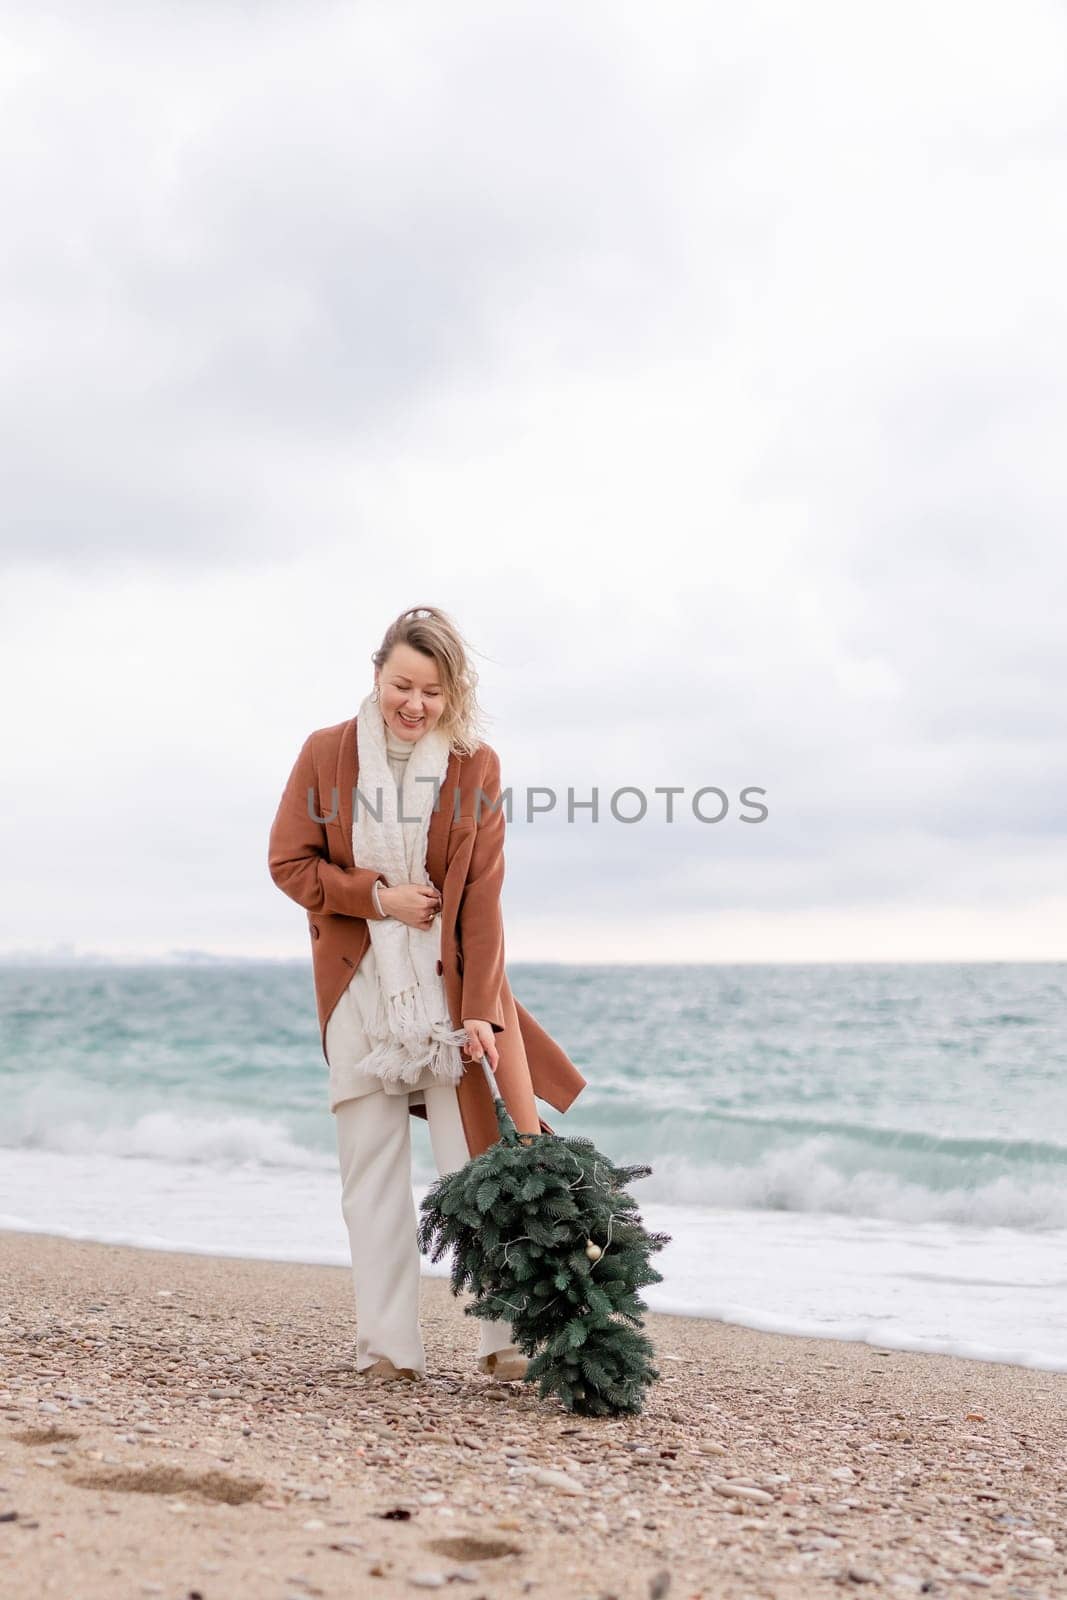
[(409, 1041)]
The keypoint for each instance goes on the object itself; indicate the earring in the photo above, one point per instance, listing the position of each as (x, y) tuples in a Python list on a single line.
[(377, 694)]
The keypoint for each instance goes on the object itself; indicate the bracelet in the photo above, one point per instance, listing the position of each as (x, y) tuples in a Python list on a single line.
[(375, 886)]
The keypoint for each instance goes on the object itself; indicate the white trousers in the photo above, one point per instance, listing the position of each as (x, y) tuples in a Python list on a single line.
[(378, 1205)]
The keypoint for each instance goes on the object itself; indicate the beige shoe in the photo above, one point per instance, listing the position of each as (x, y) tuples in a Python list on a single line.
[(383, 1371), (507, 1366)]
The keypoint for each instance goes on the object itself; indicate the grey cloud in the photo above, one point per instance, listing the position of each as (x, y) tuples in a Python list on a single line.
[(536, 284), (271, 274)]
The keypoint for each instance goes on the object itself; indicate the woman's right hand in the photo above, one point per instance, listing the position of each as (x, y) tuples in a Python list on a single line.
[(414, 903)]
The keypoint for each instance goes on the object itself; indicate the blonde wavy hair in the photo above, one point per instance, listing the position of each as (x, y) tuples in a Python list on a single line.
[(432, 631)]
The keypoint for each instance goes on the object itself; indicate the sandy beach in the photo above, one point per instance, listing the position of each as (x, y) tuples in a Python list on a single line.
[(191, 1426)]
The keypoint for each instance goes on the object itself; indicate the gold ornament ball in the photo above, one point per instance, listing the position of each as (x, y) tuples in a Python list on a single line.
[(593, 1251)]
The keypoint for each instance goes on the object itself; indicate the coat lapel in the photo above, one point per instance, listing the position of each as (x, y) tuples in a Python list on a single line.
[(440, 820), (440, 823), (347, 776)]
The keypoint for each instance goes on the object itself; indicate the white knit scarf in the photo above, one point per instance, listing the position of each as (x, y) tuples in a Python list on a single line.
[(409, 1027)]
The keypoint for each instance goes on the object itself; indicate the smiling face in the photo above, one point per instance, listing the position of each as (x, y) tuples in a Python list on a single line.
[(412, 697)]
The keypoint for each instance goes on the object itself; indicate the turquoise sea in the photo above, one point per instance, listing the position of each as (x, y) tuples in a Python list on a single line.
[(873, 1152)]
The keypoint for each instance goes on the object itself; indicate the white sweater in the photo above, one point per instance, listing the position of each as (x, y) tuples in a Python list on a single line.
[(346, 1041)]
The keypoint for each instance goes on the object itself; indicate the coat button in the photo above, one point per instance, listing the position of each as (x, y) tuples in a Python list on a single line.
[(440, 968)]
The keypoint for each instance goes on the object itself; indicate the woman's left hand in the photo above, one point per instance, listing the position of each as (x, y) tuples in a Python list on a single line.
[(480, 1041)]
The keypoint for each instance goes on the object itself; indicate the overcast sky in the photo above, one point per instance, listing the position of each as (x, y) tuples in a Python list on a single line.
[(705, 362)]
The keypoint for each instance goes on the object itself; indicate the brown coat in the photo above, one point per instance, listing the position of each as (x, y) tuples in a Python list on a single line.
[(313, 863)]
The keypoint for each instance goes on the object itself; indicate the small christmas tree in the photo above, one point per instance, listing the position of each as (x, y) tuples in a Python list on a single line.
[(545, 1236)]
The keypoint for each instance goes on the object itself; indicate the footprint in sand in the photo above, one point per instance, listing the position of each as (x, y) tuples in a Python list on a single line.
[(467, 1548), (52, 1435), (216, 1486)]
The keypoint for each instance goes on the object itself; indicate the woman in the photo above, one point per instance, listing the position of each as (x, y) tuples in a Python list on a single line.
[(390, 833)]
